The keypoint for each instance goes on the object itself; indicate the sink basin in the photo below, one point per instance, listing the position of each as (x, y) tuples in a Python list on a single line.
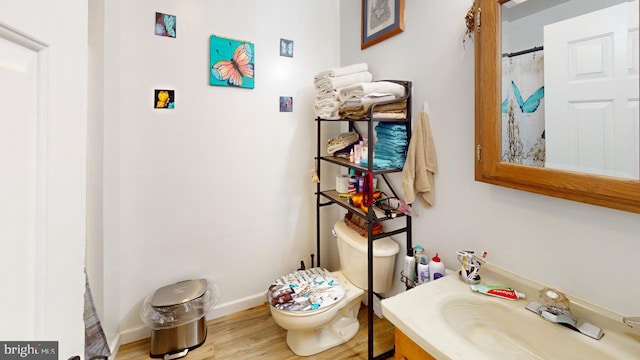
[(504, 330), (450, 321)]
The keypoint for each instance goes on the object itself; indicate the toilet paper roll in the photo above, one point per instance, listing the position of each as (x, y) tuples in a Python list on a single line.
[(342, 184)]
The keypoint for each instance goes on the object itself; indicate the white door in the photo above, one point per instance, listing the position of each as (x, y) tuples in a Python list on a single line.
[(43, 80), (591, 92)]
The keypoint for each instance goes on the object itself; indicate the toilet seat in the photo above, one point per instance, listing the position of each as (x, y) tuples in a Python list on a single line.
[(306, 292)]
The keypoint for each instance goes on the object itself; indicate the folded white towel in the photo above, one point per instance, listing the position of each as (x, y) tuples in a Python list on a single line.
[(327, 109), (368, 99), (345, 70), (362, 89), (346, 80), (325, 91), (327, 96)]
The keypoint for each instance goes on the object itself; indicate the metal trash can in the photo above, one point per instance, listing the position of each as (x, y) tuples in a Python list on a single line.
[(177, 316)]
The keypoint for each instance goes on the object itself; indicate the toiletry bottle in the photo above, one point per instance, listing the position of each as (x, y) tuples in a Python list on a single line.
[(353, 182), (409, 267), (418, 251), (351, 156), (436, 268), (423, 269), (365, 147)]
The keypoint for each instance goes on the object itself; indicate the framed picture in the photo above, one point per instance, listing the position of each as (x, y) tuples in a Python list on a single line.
[(165, 25), (286, 47), (381, 19), (286, 104), (231, 62), (164, 99)]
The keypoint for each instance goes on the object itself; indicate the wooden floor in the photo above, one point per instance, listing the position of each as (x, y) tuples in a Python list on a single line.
[(252, 334)]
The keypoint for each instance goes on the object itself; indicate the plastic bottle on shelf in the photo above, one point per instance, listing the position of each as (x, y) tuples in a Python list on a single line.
[(423, 269), (409, 267), (418, 251), (436, 268)]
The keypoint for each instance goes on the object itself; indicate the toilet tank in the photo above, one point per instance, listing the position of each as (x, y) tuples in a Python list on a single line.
[(352, 250)]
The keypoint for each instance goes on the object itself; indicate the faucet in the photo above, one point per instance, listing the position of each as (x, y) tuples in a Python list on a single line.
[(632, 321), (557, 311)]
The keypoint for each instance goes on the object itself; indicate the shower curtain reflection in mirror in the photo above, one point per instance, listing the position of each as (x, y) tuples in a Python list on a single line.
[(523, 136)]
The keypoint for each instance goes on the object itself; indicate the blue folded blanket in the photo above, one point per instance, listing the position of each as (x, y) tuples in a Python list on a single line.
[(391, 151), (386, 134), (390, 126), (378, 163)]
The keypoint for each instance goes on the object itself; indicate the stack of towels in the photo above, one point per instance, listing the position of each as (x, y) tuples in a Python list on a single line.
[(357, 99), (391, 146), (329, 83)]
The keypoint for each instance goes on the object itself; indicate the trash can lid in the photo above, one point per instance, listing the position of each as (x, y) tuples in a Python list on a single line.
[(179, 293)]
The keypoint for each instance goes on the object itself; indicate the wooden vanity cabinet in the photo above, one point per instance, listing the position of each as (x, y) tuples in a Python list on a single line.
[(406, 349)]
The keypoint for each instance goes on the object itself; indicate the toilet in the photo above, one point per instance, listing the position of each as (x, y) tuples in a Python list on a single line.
[(318, 308)]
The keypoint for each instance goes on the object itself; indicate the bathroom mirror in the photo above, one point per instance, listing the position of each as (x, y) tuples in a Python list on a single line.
[(544, 119)]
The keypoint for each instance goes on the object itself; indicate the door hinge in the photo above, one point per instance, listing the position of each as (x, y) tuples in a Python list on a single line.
[(478, 151), (478, 19)]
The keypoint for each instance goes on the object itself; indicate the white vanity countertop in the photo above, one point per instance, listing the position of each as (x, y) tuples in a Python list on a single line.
[(450, 321)]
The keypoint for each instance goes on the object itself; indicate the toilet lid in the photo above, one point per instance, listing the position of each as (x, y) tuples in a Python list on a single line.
[(305, 290)]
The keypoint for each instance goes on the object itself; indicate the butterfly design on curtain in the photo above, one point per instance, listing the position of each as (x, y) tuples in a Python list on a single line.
[(235, 69), (528, 106)]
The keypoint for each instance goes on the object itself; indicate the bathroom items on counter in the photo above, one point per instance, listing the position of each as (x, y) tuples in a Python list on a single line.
[(470, 266), (436, 268), (419, 269), (176, 315), (319, 309), (498, 291), (423, 269), (409, 269)]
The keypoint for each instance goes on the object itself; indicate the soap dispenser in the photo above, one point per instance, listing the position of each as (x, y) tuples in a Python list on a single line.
[(436, 268)]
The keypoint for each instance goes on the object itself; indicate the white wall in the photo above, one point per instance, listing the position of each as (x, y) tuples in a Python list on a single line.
[(220, 187), (584, 250)]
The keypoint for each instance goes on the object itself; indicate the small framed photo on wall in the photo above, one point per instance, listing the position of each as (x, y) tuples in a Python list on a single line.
[(286, 47), (165, 25), (286, 104), (164, 99)]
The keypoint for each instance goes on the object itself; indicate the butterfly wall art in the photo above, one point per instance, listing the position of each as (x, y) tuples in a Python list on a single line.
[(164, 99), (165, 25), (231, 62)]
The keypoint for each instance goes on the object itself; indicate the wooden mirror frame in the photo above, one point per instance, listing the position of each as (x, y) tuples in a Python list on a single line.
[(616, 193)]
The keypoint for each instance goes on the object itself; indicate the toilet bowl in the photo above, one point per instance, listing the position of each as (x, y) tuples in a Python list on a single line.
[(318, 308)]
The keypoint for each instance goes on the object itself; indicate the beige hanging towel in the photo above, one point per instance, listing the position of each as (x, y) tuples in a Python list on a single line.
[(417, 174)]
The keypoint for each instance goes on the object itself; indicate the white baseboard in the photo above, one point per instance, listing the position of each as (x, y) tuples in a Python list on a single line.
[(133, 334), (142, 332), (237, 305), (114, 346)]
